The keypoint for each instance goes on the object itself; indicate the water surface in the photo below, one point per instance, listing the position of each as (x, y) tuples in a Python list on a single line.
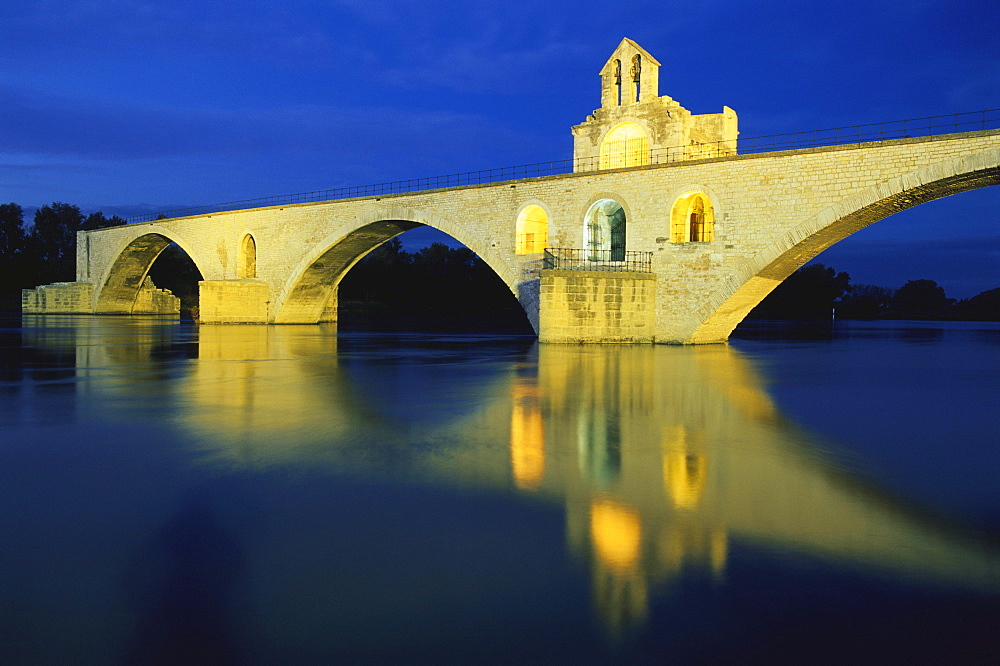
[(254, 494)]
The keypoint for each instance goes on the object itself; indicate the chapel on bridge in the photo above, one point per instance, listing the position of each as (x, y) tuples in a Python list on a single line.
[(636, 126)]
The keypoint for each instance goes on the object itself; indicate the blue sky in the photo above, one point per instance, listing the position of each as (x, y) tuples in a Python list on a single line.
[(119, 105)]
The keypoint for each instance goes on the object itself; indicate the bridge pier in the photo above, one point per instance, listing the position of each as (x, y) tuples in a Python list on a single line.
[(577, 306), (233, 301)]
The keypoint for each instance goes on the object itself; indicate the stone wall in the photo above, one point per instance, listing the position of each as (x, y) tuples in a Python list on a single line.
[(61, 297), (597, 306), (771, 211), (151, 300), (232, 302)]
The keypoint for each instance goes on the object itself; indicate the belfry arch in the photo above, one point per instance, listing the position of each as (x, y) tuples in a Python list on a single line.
[(769, 268)]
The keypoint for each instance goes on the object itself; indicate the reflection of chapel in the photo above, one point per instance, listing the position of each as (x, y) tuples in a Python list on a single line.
[(635, 126)]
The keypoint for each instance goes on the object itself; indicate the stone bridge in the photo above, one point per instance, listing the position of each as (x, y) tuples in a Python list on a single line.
[(676, 252)]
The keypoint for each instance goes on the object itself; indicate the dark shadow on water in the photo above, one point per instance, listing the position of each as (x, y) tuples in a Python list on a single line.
[(919, 335), (776, 329), (182, 585)]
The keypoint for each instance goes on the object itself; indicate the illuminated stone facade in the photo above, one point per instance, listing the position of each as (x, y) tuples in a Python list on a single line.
[(635, 126), (722, 232)]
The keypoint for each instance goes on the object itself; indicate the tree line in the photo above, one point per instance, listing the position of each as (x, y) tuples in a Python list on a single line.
[(440, 280), (45, 252), (817, 292)]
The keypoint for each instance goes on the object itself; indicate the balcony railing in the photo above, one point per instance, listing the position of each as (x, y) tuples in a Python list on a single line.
[(897, 129), (576, 259)]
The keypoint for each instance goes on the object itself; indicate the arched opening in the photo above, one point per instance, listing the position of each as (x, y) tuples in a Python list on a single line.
[(626, 145), (378, 278), (148, 268), (830, 226), (247, 266), (531, 230), (175, 272), (604, 231), (692, 219), (618, 80), (636, 73)]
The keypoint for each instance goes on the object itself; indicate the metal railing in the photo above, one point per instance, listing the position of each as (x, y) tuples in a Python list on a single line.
[(576, 259), (897, 129)]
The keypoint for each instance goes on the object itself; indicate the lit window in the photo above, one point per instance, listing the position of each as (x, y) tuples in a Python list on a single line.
[(532, 230), (692, 219)]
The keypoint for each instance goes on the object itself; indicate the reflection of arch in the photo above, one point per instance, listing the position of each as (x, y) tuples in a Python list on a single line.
[(125, 277), (625, 145), (616, 531), (247, 266), (692, 219), (527, 436), (531, 230), (793, 250), (604, 231)]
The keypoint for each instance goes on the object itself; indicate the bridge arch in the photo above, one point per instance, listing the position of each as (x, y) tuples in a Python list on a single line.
[(769, 268), (120, 283), (309, 295)]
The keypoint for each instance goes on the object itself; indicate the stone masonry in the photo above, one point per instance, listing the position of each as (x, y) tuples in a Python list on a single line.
[(772, 213)]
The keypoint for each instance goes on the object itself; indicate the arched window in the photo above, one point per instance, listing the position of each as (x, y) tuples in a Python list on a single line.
[(247, 267), (692, 219), (626, 145), (531, 230), (604, 231)]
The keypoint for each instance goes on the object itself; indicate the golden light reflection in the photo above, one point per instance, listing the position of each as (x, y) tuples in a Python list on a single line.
[(662, 456), (616, 531), (527, 436), (256, 397), (684, 477)]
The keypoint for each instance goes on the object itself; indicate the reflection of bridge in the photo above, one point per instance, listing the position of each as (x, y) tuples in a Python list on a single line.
[(723, 229), (663, 458)]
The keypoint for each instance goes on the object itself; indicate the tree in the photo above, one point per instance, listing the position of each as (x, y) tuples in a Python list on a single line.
[(11, 230), (12, 258), (920, 299), (981, 307), (865, 301), (52, 242), (98, 221), (808, 293)]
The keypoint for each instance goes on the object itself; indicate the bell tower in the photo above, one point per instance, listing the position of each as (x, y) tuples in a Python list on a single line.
[(635, 126)]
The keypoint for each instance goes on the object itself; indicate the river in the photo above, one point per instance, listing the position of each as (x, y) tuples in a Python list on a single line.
[(258, 494)]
